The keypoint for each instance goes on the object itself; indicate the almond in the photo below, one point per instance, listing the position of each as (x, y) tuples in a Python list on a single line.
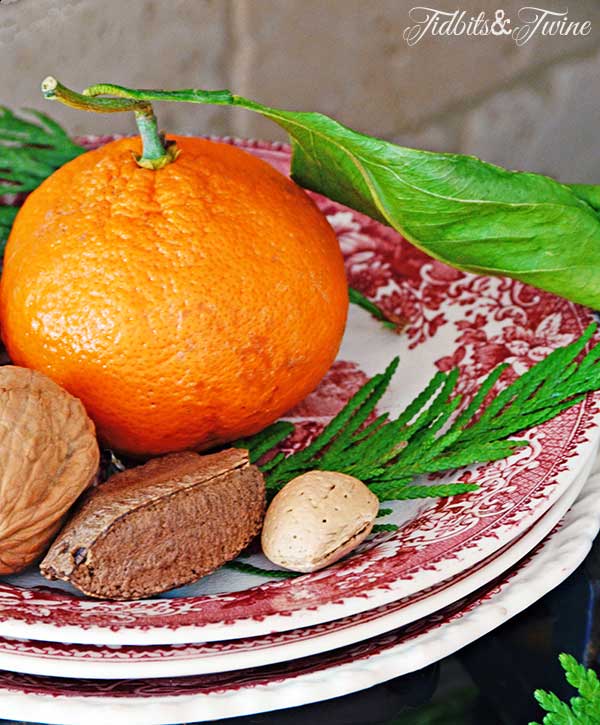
[(316, 519)]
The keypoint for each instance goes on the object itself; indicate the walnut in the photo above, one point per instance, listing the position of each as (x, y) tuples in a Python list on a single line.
[(48, 456)]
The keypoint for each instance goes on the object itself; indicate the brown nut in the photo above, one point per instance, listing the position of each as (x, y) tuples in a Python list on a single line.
[(160, 525), (316, 519), (48, 456)]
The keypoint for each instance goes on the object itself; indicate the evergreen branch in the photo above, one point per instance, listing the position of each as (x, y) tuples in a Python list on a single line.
[(246, 568), (358, 299), (366, 431), (343, 426), (7, 217), (429, 436), (478, 399), (401, 492), (551, 370), (381, 528), (480, 453), (272, 463), (582, 710), (433, 434), (263, 442), (30, 150)]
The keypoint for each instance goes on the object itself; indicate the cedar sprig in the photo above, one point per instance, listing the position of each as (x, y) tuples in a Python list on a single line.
[(7, 217), (357, 298), (30, 150), (246, 568), (437, 431), (265, 441), (581, 710)]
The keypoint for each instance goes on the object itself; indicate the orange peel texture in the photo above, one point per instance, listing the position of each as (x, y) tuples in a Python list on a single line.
[(185, 307)]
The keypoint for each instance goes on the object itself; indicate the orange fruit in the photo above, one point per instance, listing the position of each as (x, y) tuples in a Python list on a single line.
[(185, 307)]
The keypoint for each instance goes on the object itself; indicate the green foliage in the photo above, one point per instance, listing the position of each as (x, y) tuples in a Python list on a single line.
[(357, 298), (581, 710), (470, 214), (268, 438), (246, 568), (7, 217), (382, 528), (437, 431), (30, 150)]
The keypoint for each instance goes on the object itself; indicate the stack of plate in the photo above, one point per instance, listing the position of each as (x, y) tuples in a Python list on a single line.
[(235, 644)]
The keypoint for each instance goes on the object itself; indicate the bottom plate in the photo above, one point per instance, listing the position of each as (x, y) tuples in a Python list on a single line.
[(311, 679), (96, 662)]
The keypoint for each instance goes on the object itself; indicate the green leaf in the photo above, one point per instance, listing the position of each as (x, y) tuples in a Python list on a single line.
[(459, 209), (473, 215), (463, 211), (590, 193)]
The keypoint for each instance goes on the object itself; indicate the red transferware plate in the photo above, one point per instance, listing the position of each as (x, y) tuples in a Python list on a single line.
[(452, 318)]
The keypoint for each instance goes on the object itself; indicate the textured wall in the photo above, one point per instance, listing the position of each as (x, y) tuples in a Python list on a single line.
[(535, 106)]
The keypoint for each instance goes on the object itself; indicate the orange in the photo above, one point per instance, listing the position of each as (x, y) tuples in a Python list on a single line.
[(187, 306)]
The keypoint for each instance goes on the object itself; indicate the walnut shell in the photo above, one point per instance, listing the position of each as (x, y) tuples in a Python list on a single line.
[(48, 456)]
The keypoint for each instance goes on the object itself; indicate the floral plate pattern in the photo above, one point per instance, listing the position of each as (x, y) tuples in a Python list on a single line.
[(451, 318)]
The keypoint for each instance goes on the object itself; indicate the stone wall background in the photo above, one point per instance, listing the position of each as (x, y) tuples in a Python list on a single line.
[(535, 107)]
